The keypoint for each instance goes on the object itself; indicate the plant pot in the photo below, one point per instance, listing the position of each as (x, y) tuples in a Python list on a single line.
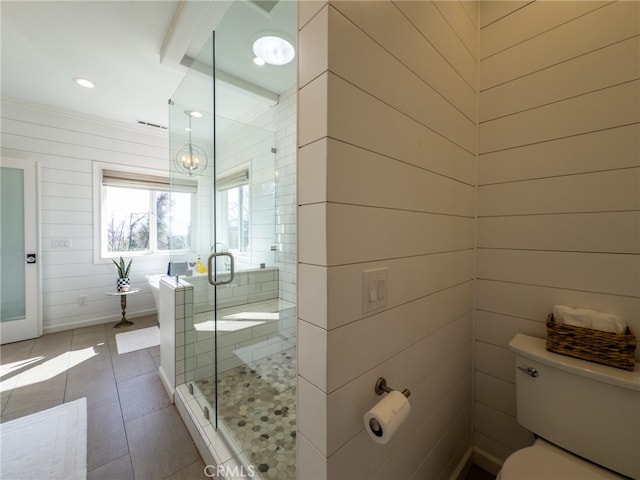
[(122, 285)]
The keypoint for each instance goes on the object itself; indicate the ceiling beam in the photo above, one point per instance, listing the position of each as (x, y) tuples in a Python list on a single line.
[(191, 25)]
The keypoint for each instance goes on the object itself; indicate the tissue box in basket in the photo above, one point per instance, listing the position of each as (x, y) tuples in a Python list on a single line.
[(607, 348)]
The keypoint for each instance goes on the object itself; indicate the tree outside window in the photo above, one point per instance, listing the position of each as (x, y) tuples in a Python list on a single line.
[(141, 220)]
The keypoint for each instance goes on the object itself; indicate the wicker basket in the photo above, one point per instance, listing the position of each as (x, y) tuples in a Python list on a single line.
[(608, 348)]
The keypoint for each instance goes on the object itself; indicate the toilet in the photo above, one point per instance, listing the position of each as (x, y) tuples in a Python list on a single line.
[(586, 417)]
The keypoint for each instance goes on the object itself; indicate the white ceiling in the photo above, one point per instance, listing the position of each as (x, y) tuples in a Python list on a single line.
[(135, 52)]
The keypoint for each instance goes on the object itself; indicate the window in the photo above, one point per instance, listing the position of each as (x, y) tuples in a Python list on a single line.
[(235, 210), (144, 214)]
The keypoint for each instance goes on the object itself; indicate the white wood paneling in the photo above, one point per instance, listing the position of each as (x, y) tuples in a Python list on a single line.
[(578, 76), (493, 10), (526, 23), (434, 27), (409, 281), (464, 26), (559, 183), (313, 45), (495, 393), (580, 36), (412, 48), (612, 190), (387, 179), (594, 151), (609, 108), (348, 225), (360, 119), (503, 428), (65, 144), (613, 232), (534, 302), (590, 272), (415, 99)]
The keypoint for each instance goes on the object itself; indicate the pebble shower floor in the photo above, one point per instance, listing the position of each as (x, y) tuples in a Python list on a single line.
[(257, 404)]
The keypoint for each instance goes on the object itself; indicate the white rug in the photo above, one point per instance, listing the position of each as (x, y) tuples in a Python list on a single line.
[(137, 339), (51, 444)]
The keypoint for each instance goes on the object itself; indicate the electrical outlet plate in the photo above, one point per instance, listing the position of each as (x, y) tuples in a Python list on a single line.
[(375, 288), (60, 243)]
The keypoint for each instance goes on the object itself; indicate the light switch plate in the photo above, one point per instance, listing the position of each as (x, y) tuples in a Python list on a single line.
[(375, 289), (60, 243)]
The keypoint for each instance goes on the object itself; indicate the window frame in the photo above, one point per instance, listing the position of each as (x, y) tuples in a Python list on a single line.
[(236, 178), (100, 249)]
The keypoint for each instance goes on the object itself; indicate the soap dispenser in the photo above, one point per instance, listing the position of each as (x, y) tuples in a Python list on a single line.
[(200, 267)]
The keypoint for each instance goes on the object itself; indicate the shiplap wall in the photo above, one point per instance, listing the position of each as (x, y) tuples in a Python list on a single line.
[(558, 184), (386, 178), (66, 145)]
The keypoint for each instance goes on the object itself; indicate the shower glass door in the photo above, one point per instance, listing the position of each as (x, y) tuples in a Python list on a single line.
[(254, 222), (237, 257)]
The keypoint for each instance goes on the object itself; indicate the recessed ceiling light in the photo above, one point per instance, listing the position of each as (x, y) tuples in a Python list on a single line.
[(274, 50), (83, 82), (193, 113)]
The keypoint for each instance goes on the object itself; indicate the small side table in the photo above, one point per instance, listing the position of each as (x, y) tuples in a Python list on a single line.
[(123, 305)]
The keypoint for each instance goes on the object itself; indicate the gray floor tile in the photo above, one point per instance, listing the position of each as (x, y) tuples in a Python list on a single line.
[(17, 351), (85, 363), (34, 397), (132, 364), (195, 471), (141, 395), (53, 343), (89, 336), (4, 398), (152, 456), (119, 469), (106, 438), (99, 388), (99, 361)]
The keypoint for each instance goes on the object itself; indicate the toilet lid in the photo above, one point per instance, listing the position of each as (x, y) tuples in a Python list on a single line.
[(544, 461)]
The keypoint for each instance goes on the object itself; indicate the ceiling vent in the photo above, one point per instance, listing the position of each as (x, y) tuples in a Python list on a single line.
[(265, 5), (154, 125)]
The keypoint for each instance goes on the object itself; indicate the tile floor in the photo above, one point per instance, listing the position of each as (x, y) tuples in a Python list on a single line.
[(258, 407), (129, 415)]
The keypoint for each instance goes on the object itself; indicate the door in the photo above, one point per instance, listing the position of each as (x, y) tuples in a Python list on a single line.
[(20, 311)]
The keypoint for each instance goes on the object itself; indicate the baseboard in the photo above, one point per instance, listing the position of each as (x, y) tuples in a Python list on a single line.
[(96, 321), (486, 461), (461, 470), (166, 384)]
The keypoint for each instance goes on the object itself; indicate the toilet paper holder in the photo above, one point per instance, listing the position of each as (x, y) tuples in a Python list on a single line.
[(381, 387)]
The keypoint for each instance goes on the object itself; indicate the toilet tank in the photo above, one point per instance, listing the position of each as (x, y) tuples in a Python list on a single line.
[(588, 409)]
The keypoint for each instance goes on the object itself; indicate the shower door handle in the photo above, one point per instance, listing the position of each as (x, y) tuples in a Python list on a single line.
[(211, 268)]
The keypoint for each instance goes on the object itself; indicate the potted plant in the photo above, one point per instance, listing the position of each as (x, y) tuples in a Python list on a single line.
[(122, 284)]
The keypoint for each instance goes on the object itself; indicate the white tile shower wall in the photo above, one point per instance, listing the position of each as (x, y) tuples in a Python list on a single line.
[(247, 287), (66, 144), (236, 347), (386, 178), (175, 317), (250, 144), (286, 255), (558, 183)]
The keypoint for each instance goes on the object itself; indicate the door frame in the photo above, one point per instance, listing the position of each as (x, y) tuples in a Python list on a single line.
[(32, 325)]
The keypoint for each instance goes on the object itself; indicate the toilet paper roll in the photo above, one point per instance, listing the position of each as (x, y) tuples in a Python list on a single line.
[(386, 417)]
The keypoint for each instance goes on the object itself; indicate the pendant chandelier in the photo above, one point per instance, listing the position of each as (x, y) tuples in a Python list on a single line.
[(190, 158)]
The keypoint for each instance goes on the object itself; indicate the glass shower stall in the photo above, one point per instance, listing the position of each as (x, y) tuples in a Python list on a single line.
[(233, 164)]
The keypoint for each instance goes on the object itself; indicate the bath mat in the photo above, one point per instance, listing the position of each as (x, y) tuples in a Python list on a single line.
[(137, 339), (48, 444)]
